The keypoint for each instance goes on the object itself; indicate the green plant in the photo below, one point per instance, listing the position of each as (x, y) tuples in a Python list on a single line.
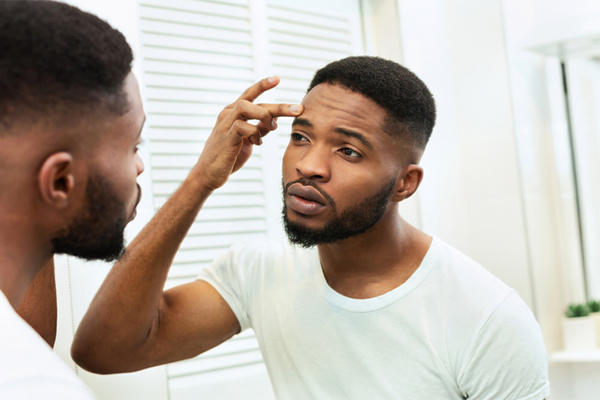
[(577, 310), (594, 305)]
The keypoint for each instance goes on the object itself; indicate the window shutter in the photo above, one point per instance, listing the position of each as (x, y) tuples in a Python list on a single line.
[(197, 57)]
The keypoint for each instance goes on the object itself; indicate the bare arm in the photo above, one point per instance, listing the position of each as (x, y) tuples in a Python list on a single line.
[(38, 306), (132, 324)]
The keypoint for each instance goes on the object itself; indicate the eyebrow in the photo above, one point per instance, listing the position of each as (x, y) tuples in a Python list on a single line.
[(354, 135), (302, 122), (342, 131)]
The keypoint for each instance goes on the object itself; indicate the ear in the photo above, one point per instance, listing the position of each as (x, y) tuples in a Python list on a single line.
[(56, 180), (409, 183)]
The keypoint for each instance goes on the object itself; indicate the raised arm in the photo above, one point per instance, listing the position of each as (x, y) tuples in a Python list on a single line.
[(132, 324), (38, 306)]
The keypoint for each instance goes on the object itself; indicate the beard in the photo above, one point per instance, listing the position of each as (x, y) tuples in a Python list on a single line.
[(97, 233), (353, 221)]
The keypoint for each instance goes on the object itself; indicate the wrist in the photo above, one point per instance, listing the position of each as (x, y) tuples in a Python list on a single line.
[(200, 182)]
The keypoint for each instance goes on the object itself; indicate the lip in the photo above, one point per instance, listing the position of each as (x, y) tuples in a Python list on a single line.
[(305, 199)]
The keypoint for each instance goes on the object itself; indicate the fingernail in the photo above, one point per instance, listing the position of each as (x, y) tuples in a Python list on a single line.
[(273, 124), (295, 108), (272, 79)]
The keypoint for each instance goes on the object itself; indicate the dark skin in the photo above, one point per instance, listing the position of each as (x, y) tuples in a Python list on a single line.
[(44, 168), (38, 306), (133, 324)]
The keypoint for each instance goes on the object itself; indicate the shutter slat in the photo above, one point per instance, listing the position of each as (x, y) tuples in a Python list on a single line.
[(191, 82), (200, 32), (206, 20), (300, 51), (201, 7), (308, 19), (322, 43), (197, 45), (297, 28), (199, 71), (215, 59)]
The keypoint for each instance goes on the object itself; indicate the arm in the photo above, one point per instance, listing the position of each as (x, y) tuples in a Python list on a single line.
[(132, 324), (38, 306)]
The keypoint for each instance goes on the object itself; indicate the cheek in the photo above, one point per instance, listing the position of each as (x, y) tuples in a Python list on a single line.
[(288, 163)]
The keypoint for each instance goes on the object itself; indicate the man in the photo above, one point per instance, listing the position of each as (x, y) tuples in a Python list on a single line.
[(70, 118), (70, 123), (377, 310)]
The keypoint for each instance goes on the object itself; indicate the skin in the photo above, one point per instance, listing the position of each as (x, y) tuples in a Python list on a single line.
[(44, 169), (38, 306), (133, 324)]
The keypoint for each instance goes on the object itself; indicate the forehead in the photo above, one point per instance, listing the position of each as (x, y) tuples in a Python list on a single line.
[(333, 104)]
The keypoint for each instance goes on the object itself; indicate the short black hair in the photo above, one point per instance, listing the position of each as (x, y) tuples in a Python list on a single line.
[(57, 62), (408, 102)]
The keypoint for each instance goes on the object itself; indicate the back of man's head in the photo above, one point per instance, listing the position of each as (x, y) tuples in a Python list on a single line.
[(57, 64), (405, 98)]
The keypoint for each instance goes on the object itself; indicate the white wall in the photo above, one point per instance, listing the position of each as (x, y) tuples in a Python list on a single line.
[(471, 196)]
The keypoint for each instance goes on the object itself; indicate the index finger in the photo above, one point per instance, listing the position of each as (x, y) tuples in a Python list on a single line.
[(283, 110), (259, 88)]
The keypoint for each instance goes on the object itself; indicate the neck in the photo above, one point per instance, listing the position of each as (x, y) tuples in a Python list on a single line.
[(22, 255), (377, 261)]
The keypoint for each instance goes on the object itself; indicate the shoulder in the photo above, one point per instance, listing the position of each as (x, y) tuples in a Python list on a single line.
[(465, 280)]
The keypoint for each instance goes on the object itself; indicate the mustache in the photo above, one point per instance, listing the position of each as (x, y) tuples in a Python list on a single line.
[(308, 182)]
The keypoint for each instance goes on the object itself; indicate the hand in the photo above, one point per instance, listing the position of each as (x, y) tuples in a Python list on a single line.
[(229, 145)]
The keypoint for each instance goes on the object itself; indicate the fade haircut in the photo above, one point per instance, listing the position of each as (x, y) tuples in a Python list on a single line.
[(58, 63), (409, 104)]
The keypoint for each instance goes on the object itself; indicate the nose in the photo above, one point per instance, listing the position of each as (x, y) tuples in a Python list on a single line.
[(139, 164), (314, 164)]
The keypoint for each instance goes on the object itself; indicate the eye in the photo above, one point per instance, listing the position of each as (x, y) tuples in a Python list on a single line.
[(296, 137), (348, 152), (137, 146)]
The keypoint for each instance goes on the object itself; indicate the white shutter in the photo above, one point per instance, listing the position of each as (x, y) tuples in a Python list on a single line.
[(197, 57), (304, 38)]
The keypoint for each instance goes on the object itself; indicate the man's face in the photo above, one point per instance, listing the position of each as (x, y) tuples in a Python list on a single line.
[(339, 169), (112, 193)]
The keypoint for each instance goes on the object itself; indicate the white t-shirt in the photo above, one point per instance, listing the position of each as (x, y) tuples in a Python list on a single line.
[(29, 369), (452, 331)]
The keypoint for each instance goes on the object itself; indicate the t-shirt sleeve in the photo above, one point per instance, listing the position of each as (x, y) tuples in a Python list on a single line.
[(508, 359), (226, 275)]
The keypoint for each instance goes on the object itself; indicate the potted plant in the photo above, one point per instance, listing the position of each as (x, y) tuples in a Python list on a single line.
[(594, 307), (579, 330)]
